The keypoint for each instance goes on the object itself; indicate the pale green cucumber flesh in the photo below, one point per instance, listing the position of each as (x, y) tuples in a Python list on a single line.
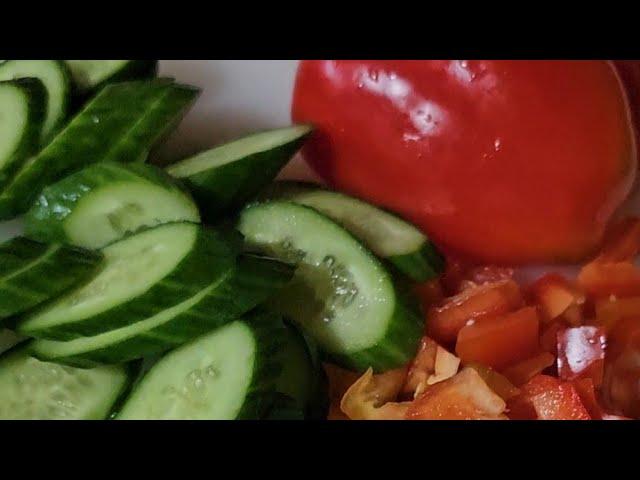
[(224, 375), (34, 390), (106, 201), (89, 75), (32, 273), (387, 235), (121, 124), (55, 78), (341, 294), (227, 176), (143, 275), (244, 287)]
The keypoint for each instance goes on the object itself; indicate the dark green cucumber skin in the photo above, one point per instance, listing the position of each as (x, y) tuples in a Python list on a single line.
[(228, 187), (252, 281), (133, 70), (285, 408), (44, 139), (132, 372), (189, 277), (131, 118), (269, 331), (421, 266), (45, 219), (64, 268), (37, 107)]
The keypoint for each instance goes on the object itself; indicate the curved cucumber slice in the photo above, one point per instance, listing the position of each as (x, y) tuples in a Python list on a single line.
[(55, 77), (386, 235), (341, 294), (35, 390), (301, 384), (32, 273), (121, 124), (224, 375), (106, 201), (249, 284), (22, 111), (91, 75), (143, 275), (227, 176)]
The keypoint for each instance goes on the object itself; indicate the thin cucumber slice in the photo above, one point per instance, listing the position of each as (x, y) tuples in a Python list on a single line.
[(341, 295), (143, 275), (55, 77), (227, 176), (386, 235), (121, 124), (91, 75), (32, 273), (301, 385), (227, 374), (23, 104), (106, 201), (249, 284), (35, 390)]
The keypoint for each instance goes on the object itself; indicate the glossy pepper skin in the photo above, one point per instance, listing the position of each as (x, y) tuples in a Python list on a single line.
[(508, 162)]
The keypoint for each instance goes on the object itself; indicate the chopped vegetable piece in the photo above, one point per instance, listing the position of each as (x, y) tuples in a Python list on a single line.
[(551, 399), (496, 381), (549, 337), (611, 310), (602, 280), (446, 321), (581, 353), (429, 293), (422, 367), (524, 371), (502, 341), (586, 391), (339, 381), (463, 397), (555, 296), (372, 397), (622, 243)]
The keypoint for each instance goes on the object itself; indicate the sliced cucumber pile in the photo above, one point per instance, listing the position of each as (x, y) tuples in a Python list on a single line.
[(123, 305), (54, 75), (143, 275), (341, 294), (35, 390), (229, 175), (32, 273), (246, 286), (91, 75), (387, 235), (106, 201), (227, 374), (121, 123), (23, 104)]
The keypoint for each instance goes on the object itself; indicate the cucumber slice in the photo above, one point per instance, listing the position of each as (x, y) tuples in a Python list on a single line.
[(301, 385), (104, 202), (8, 339), (91, 75), (55, 77), (250, 283), (224, 375), (22, 112), (121, 124), (386, 235), (35, 390), (143, 275), (32, 273), (227, 176), (341, 295)]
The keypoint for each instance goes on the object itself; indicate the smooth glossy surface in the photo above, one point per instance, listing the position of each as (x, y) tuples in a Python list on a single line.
[(501, 161)]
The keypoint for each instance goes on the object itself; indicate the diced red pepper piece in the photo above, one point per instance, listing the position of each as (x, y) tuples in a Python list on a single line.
[(587, 393), (430, 294), (581, 352), (522, 372), (502, 341), (551, 399), (445, 322), (601, 280), (555, 295), (496, 381)]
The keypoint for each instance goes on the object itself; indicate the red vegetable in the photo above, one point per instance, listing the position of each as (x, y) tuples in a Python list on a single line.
[(581, 353), (502, 341), (549, 399), (499, 161)]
